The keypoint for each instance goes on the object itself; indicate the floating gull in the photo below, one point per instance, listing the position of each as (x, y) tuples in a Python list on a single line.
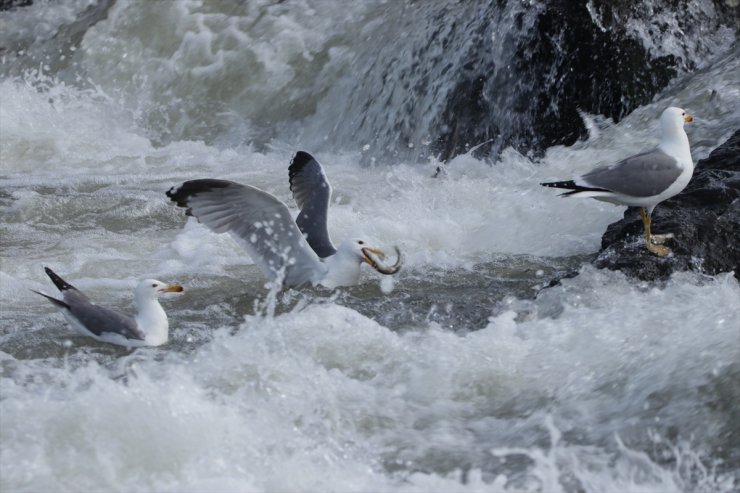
[(148, 328), (289, 252), (643, 180)]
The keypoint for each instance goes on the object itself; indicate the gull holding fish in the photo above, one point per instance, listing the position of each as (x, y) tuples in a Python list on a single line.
[(290, 252)]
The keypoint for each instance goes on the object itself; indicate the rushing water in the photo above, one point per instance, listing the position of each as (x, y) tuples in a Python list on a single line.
[(462, 373)]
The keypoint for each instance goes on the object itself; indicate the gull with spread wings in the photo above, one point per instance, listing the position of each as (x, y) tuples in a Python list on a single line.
[(290, 252)]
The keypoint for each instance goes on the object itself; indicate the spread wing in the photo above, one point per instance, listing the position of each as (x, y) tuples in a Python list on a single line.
[(261, 223), (642, 175), (311, 192)]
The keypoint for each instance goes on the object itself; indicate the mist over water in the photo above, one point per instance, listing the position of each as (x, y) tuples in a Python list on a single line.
[(462, 373)]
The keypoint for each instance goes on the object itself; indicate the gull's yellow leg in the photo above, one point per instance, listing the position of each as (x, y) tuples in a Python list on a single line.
[(655, 239), (659, 250)]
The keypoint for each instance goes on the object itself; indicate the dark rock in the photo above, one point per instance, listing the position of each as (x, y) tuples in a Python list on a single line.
[(493, 74), (705, 219), (599, 71), (576, 56), (12, 4)]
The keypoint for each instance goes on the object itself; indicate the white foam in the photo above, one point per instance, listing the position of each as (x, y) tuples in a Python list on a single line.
[(323, 397), (48, 125)]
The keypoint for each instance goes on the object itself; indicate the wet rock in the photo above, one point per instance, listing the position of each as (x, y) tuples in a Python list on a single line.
[(487, 75), (552, 73), (12, 4), (583, 60), (705, 219)]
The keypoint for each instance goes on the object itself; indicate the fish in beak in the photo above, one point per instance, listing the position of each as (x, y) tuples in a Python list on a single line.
[(374, 258), (688, 118)]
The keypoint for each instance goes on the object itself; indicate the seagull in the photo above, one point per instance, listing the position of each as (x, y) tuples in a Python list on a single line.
[(148, 328), (288, 252), (643, 180)]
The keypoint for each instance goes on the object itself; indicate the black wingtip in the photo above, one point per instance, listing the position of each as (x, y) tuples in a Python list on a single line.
[(60, 283), (299, 161), (570, 184), (181, 194), (57, 302), (572, 187)]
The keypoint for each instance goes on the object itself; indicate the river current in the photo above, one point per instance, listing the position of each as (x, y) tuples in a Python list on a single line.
[(465, 372)]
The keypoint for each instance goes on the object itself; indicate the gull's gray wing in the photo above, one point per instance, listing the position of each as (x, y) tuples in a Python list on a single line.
[(311, 192), (258, 220), (99, 319), (96, 319), (642, 175)]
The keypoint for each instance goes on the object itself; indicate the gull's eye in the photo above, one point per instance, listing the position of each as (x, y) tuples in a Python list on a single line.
[(360, 242), (154, 285)]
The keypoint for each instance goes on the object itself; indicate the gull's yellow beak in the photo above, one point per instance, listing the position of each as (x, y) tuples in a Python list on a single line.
[(383, 269), (688, 118), (375, 251), (172, 288)]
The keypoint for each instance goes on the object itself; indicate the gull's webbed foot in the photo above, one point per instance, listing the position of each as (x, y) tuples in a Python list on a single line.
[(654, 243), (659, 250), (660, 239)]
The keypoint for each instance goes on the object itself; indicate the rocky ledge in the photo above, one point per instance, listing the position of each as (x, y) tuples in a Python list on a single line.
[(705, 219)]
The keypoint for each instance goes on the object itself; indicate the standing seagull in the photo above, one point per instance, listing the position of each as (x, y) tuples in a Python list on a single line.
[(276, 243), (148, 328), (643, 180)]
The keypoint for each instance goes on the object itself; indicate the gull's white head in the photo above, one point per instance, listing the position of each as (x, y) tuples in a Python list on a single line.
[(344, 266), (672, 121), (151, 289), (151, 318), (356, 248)]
